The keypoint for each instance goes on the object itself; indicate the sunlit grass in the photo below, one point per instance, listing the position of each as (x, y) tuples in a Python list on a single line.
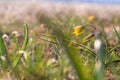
[(60, 49)]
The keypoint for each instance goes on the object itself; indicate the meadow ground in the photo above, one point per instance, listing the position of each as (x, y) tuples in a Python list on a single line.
[(59, 41)]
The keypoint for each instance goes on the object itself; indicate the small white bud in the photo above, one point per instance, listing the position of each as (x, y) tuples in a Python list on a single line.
[(22, 52), (16, 33), (54, 60), (97, 44), (5, 37), (25, 54), (3, 58), (71, 76), (51, 61), (31, 40)]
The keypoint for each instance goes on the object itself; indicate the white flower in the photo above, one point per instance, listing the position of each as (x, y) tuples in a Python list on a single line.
[(25, 54), (71, 76), (51, 61), (5, 37), (22, 52), (54, 60), (3, 58), (97, 44), (16, 33), (31, 39)]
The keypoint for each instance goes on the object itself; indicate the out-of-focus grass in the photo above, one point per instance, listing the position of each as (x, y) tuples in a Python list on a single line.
[(53, 52)]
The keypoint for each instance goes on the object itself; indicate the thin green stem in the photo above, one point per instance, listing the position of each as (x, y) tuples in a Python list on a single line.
[(17, 60), (76, 44), (118, 46), (116, 32), (26, 37)]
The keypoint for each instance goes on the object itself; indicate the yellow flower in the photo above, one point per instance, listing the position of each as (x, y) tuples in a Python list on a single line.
[(91, 18), (78, 30), (88, 37)]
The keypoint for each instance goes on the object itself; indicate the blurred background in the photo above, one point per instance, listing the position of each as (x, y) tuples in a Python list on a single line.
[(86, 1), (17, 12), (81, 1), (64, 15)]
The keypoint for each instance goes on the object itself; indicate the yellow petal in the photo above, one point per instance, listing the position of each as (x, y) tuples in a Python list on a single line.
[(78, 30), (91, 18)]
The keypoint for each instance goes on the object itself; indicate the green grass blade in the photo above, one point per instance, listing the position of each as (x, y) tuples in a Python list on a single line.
[(74, 58), (100, 63), (26, 37), (18, 58), (114, 48), (16, 41), (3, 53), (117, 34)]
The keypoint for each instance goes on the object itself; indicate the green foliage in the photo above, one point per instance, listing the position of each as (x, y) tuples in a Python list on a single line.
[(3, 54), (18, 58), (58, 54), (75, 59)]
